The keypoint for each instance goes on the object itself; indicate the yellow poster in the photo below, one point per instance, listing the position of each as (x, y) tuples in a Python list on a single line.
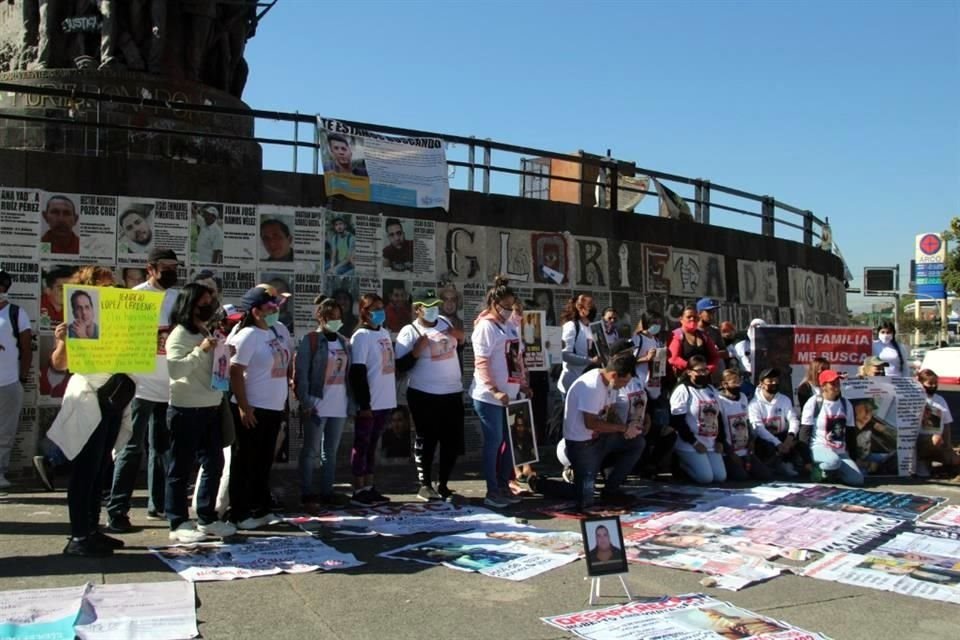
[(111, 330)]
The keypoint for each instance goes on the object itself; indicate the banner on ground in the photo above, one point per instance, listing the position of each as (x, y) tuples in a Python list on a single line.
[(262, 557), (901, 576), (372, 167), (902, 506), (949, 516), (511, 555), (686, 617), (111, 330)]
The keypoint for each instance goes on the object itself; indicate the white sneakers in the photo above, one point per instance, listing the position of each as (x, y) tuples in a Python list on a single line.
[(190, 532), (252, 523)]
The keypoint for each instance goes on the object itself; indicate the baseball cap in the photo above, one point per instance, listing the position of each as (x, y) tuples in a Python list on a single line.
[(156, 255), (874, 361), (707, 304), (260, 295), (769, 372), (426, 297), (233, 313), (828, 376), (210, 208)]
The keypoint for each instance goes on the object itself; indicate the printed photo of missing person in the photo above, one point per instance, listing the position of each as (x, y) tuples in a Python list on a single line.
[(276, 238), (83, 317), (603, 545), (398, 246), (523, 437)]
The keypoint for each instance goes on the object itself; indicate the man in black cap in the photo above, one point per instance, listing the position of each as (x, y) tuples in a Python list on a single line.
[(15, 358), (776, 425), (149, 409)]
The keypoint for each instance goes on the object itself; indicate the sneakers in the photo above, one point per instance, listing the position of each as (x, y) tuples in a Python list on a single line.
[(427, 494), (251, 523), (188, 533), (44, 472), (120, 524), (568, 475), (787, 469), (378, 497), (217, 529), (508, 495), (923, 469), (89, 547), (365, 498), (496, 500), (447, 494), (335, 500), (153, 514), (103, 539)]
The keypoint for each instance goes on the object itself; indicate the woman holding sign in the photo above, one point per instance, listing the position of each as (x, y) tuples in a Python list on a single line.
[(194, 418)]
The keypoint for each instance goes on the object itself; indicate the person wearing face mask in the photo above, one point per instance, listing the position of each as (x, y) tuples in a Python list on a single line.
[(427, 348), (194, 418), (260, 371), (740, 458), (578, 339), (826, 417), (149, 410), (15, 359), (933, 443), (320, 382), (373, 384), (660, 438), (890, 351), (498, 378), (777, 427), (688, 341), (694, 413)]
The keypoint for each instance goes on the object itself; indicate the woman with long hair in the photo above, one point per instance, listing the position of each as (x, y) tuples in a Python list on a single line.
[(578, 339), (259, 378), (374, 386), (427, 348), (689, 340), (890, 351), (194, 418), (811, 386), (498, 378)]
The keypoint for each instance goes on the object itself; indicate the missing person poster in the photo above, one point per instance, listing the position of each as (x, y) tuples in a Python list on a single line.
[(368, 166), (111, 330), (533, 335), (96, 226), (522, 432), (19, 222)]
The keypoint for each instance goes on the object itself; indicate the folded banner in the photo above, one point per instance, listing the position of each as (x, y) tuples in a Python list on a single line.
[(368, 166), (110, 330)]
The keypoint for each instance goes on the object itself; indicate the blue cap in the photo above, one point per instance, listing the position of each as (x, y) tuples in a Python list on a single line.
[(707, 304)]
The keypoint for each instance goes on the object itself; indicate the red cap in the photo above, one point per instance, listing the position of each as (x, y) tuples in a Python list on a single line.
[(828, 376)]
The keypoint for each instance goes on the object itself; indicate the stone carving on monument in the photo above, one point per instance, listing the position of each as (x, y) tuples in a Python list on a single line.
[(173, 50)]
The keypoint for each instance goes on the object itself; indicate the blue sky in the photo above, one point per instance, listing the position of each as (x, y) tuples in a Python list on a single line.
[(850, 109)]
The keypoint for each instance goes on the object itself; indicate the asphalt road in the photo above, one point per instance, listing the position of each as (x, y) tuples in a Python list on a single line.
[(399, 600)]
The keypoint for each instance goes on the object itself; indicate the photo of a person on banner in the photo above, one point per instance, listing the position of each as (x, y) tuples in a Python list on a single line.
[(341, 153)]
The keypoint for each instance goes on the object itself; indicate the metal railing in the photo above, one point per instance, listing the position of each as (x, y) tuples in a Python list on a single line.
[(462, 153)]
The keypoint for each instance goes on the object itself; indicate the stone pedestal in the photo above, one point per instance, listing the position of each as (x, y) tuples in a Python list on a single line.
[(105, 142)]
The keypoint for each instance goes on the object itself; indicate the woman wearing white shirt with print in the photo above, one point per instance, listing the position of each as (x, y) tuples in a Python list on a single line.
[(577, 339), (890, 351)]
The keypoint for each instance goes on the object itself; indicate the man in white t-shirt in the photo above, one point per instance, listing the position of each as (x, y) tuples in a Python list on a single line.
[(149, 409), (933, 443), (210, 236), (595, 436), (15, 358), (776, 425)]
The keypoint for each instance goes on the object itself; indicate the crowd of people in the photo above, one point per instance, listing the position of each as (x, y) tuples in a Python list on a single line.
[(643, 400)]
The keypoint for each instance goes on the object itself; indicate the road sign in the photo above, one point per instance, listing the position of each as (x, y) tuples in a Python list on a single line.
[(930, 248)]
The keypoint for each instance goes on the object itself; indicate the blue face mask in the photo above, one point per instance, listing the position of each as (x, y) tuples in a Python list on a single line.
[(430, 314), (378, 317), (271, 319)]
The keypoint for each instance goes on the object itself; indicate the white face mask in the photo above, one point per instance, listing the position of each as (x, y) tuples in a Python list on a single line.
[(654, 329), (886, 338), (430, 314), (334, 325)]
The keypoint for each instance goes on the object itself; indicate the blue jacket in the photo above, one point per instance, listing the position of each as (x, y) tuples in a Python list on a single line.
[(310, 368)]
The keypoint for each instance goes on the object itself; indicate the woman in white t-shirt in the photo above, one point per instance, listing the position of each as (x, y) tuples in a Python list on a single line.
[(374, 386), (827, 417), (934, 444), (695, 414), (498, 378), (260, 379), (890, 351), (320, 381), (577, 339), (427, 349)]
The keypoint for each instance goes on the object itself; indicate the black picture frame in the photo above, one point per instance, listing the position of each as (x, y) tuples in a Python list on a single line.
[(617, 564)]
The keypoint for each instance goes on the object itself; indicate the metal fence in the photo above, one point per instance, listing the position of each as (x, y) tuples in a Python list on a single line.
[(475, 164)]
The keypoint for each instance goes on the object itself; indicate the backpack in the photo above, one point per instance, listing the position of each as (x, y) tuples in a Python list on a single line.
[(15, 325)]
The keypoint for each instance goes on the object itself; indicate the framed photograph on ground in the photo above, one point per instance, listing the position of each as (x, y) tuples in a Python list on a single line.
[(603, 546), (523, 436)]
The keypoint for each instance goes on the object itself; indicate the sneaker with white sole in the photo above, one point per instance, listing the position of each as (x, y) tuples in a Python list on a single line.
[(428, 494), (252, 523), (495, 499), (188, 533), (217, 529)]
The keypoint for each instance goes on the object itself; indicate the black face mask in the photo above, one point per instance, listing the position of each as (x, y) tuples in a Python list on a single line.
[(167, 279), (700, 381), (732, 393), (592, 314), (930, 390), (205, 312)]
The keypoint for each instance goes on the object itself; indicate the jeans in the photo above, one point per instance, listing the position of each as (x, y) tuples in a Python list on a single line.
[(703, 468), (11, 402), (321, 437), (195, 436), (830, 460), (83, 492), (588, 456), (150, 424), (366, 435), (251, 463), (496, 462)]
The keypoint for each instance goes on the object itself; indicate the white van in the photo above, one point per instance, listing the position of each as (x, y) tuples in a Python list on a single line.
[(945, 362)]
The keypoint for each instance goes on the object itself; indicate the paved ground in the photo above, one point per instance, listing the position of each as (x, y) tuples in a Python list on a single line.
[(397, 600)]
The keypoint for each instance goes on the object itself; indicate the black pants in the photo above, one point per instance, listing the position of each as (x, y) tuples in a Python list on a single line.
[(89, 473), (438, 419), (195, 436), (251, 463)]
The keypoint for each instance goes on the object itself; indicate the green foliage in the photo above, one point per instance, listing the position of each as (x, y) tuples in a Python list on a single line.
[(951, 274)]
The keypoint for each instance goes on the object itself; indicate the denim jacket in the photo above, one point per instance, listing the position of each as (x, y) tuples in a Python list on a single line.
[(309, 388)]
